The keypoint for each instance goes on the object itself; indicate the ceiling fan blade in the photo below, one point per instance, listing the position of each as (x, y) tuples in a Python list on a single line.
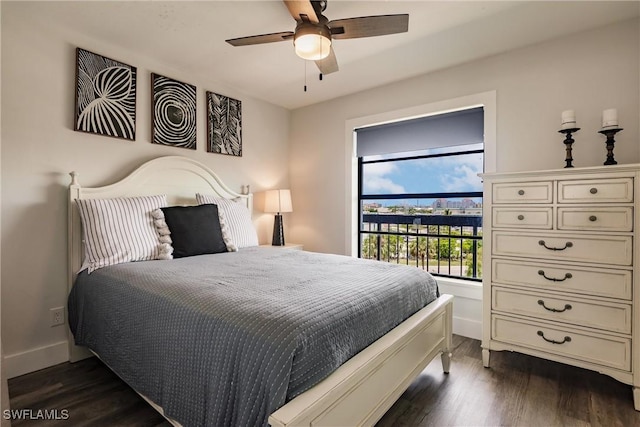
[(329, 64), (302, 10), (262, 38), (369, 26)]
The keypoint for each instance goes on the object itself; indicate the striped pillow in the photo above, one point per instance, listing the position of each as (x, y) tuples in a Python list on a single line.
[(237, 219), (120, 230)]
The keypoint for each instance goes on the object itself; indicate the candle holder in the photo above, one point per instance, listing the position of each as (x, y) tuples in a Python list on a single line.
[(609, 133), (568, 142)]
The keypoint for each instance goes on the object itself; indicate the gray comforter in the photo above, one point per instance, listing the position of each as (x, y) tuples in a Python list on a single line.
[(227, 339)]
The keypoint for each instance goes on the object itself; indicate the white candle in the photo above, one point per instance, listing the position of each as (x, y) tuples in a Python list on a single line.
[(568, 119), (610, 118)]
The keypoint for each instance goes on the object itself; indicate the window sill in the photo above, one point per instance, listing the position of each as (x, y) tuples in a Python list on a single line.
[(460, 287)]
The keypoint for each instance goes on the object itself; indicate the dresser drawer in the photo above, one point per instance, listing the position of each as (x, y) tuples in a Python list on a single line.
[(526, 192), (596, 219), (589, 313), (527, 217), (612, 190), (585, 248), (581, 280), (595, 348)]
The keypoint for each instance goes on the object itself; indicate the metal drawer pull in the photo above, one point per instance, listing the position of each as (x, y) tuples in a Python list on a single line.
[(553, 279), (566, 339), (593, 190), (521, 192), (520, 217), (593, 218), (566, 245), (555, 310)]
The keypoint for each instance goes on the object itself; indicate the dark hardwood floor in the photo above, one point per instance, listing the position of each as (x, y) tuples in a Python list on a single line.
[(518, 390)]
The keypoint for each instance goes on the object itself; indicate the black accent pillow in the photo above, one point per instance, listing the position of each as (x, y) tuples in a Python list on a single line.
[(195, 230)]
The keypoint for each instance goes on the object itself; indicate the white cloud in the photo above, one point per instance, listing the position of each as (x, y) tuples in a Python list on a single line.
[(379, 184), (380, 169), (376, 181), (463, 172), (464, 177)]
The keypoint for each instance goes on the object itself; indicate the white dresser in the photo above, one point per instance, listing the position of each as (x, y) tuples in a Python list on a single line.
[(560, 265)]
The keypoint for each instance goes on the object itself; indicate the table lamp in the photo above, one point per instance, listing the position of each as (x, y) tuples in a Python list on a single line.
[(277, 201)]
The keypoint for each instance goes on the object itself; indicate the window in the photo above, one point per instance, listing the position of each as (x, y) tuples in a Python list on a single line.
[(423, 207)]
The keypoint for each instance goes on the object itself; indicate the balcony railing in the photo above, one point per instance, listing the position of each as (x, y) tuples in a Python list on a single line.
[(444, 245)]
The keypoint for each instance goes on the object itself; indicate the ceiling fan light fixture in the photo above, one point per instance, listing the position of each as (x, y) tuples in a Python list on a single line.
[(312, 38), (312, 42)]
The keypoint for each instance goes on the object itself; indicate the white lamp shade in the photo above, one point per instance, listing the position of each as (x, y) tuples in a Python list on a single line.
[(311, 45), (277, 201)]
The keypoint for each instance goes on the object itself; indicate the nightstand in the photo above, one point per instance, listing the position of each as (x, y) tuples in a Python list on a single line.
[(294, 246)]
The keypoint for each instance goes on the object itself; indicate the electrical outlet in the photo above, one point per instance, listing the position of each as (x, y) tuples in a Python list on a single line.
[(57, 316)]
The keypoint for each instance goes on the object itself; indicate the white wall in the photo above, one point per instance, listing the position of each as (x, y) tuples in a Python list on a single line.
[(39, 149), (4, 389), (587, 72)]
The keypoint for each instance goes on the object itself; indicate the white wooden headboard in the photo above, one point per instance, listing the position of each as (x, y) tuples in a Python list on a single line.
[(180, 178)]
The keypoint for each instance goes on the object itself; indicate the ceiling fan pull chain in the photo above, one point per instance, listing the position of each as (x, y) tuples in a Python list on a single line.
[(305, 76)]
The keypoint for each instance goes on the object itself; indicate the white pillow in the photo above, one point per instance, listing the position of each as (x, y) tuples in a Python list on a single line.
[(226, 234), (120, 230), (237, 219)]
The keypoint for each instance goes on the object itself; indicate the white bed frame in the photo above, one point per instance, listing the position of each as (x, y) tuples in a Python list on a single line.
[(357, 393)]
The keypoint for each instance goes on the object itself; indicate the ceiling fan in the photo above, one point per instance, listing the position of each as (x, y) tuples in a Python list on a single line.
[(314, 32)]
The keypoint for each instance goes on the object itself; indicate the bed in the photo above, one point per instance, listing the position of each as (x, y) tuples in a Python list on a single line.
[(353, 384)]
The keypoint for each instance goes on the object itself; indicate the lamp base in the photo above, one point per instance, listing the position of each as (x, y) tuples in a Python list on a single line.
[(278, 231)]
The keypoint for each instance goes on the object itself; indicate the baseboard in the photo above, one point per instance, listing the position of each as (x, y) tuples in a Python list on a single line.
[(33, 360), (467, 327)]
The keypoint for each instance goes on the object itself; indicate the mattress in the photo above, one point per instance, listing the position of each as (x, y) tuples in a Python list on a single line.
[(227, 339)]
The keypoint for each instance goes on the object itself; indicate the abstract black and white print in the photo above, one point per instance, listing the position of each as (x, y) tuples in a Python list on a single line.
[(174, 112), (105, 96), (224, 125)]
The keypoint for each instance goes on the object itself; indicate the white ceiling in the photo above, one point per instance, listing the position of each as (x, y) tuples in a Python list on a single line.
[(190, 36)]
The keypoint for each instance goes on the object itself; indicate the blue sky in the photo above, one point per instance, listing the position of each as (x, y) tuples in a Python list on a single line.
[(440, 174)]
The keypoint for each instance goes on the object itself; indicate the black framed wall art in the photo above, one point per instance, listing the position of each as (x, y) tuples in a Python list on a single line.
[(105, 96), (224, 125), (173, 109)]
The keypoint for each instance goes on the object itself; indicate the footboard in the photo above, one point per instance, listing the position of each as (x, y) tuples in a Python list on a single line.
[(367, 385)]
